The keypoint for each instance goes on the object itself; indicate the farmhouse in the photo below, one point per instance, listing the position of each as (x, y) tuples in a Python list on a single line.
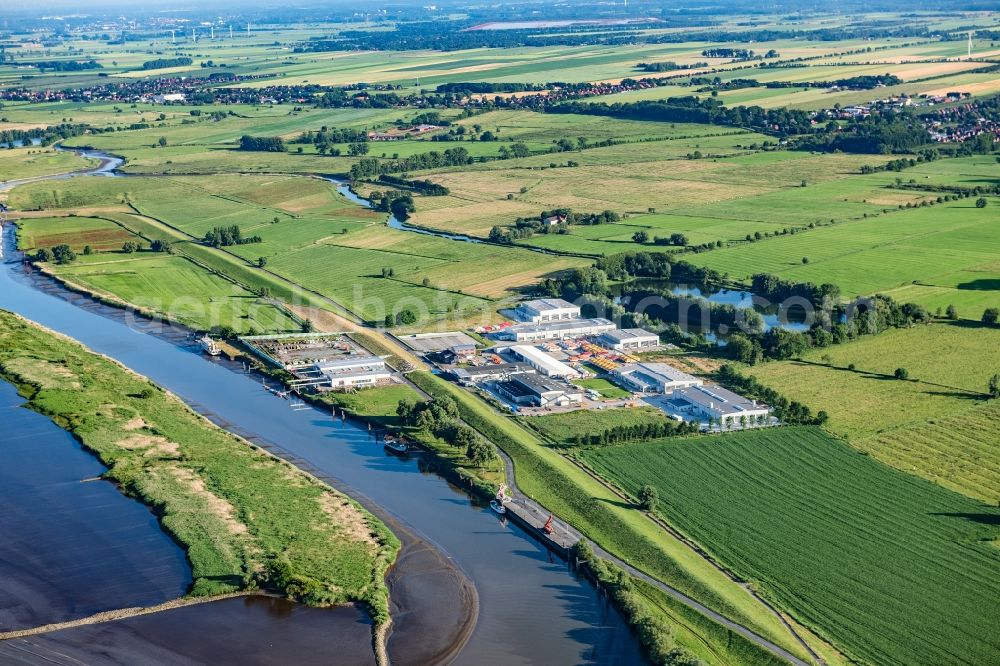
[(627, 339), (554, 220), (653, 377), (555, 330), (537, 391), (543, 362), (354, 371), (494, 372), (711, 401), (546, 309)]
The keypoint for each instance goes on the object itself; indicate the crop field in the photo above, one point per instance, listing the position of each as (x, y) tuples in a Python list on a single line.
[(936, 425), (20, 163), (836, 537), (77, 232)]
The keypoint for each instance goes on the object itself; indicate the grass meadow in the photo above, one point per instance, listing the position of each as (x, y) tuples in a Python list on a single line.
[(20, 163), (892, 569), (938, 425)]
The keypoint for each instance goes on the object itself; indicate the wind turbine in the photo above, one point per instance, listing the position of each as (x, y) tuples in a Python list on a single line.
[(970, 45)]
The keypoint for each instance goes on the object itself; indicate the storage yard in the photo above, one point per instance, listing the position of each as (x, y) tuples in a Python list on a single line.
[(321, 361)]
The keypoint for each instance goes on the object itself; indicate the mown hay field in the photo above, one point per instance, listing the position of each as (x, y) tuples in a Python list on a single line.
[(889, 567)]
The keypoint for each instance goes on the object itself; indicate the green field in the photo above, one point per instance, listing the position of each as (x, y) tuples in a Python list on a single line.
[(172, 286), (176, 287), (560, 428), (307, 229), (604, 387), (939, 425), (891, 568), (245, 519), (20, 163)]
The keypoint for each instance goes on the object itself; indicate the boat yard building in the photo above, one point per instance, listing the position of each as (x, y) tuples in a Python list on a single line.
[(653, 377), (546, 309), (711, 401), (556, 330), (628, 339), (492, 372), (543, 363), (354, 372)]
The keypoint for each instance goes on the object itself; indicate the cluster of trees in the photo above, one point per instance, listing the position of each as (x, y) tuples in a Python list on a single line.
[(61, 254), (668, 66), (527, 227), (163, 63), (775, 288), (227, 236), (642, 237), (640, 432), (425, 187), (66, 65), (927, 155), (478, 88), (400, 204), (326, 139), (440, 418), (877, 134), (722, 52), (371, 167), (46, 135), (267, 144)]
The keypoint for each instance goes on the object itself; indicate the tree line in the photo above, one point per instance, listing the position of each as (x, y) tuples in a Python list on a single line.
[(163, 63)]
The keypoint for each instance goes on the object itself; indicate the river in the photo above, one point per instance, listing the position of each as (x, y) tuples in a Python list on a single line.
[(532, 609)]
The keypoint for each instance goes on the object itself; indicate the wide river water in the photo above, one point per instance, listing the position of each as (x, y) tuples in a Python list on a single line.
[(532, 609)]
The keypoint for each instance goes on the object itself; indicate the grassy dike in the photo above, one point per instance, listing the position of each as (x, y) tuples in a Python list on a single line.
[(246, 519), (601, 515)]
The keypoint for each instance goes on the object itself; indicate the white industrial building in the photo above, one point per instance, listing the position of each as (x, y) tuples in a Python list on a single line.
[(555, 330), (653, 377), (628, 339), (546, 309), (711, 401), (354, 371), (543, 363)]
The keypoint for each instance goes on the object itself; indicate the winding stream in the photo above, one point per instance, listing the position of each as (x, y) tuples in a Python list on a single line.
[(532, 609)]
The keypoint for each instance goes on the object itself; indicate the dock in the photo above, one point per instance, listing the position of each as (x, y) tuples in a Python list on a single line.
[(532, 519)]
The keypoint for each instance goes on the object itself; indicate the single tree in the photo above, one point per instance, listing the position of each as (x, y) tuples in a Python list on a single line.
[(981, 202), (130, 247), (162, 141), (901, 373), (994, 386), (261, 262), (991, 316), (648, 497), (640, 237), (951, 313)]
